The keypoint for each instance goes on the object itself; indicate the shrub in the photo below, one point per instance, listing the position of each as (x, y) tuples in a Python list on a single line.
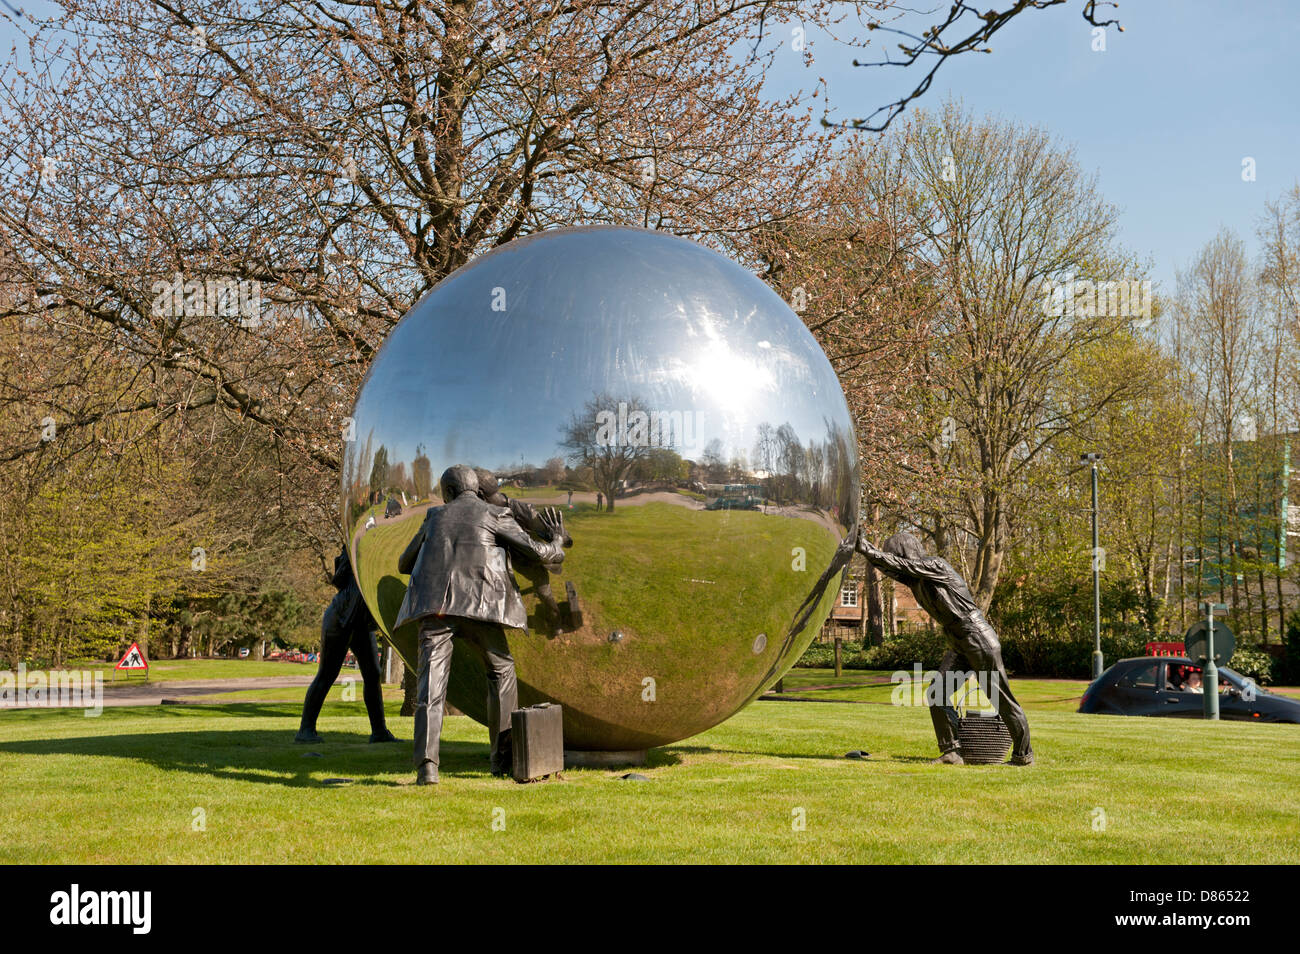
[(908, 648), (822, 656), (1047, 655), (1255, 663), (897, 652)]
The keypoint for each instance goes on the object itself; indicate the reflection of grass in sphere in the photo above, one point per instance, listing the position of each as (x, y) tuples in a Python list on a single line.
[(683, 577), (688, 589), (377, 552)]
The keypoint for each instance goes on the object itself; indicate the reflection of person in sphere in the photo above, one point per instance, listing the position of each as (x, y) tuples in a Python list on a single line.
[(528, 517), (972, 642), (462, 588), (347, 624)]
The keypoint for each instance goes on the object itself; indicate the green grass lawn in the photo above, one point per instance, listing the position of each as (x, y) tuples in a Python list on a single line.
[(526, 493), (128, 786), (801, 677), (291, 694), (875, 686)]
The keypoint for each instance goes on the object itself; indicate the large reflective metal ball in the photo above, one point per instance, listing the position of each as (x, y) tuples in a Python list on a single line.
[(688, 426)]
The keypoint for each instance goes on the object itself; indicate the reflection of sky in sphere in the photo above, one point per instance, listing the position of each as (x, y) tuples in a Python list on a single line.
[(591, 311)]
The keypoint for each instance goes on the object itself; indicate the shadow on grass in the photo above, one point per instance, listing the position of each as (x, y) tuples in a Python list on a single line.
[(270, 756), (813, 756), (658, 758), (265, 756)]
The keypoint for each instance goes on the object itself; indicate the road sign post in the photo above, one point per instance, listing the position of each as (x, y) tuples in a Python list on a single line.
[(1210, 682)]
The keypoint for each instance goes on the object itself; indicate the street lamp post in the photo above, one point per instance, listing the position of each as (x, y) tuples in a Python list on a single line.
[(1210, 681), (1097, 663)]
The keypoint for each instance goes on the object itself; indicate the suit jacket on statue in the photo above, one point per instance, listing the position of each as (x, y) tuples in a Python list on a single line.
[(459, 563), (526, 516), (347, 613), (942, 594)]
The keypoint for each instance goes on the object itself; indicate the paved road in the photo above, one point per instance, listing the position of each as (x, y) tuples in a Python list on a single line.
[(153, 693)]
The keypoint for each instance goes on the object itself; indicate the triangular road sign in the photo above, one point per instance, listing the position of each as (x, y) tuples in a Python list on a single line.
[(134, 659)]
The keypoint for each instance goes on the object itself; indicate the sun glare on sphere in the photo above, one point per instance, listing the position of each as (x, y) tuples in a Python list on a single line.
[(732, 381)]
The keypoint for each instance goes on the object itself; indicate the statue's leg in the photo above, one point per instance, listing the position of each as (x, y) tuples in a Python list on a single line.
[(942, 714), (986, 651), (435, 670), (1010, 710), (503, 688), (540, 578), (333, 649), (367, 653)]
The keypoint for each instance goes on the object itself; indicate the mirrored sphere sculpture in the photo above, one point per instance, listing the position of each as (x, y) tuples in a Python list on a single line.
[(704, 438)]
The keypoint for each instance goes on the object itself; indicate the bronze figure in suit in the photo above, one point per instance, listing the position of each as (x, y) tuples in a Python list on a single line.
[(972, 641), (462, 587), (531, 519), (347, 624)]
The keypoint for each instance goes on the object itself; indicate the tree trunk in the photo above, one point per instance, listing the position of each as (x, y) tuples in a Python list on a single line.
[(875, 609), (410, 689), (863, 638), (989, 559), (1281, 606), (394, 667), (891, 620), (1263, 601), (1282, 498)]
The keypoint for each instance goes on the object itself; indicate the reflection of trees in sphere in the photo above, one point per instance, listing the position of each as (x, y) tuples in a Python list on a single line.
[(659, 377)]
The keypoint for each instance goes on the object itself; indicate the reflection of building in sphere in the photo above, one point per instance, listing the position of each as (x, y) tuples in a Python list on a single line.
[(694, 426)]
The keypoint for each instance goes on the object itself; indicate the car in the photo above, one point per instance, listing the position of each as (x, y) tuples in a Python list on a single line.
[(1169, 686)]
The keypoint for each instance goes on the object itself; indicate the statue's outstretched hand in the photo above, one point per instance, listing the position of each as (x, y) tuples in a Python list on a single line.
[(553, 520)]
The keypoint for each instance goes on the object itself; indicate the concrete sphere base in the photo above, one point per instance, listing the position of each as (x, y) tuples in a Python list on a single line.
[(578, 759)]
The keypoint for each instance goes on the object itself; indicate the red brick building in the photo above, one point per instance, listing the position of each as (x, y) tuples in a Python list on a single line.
[(845, 619)]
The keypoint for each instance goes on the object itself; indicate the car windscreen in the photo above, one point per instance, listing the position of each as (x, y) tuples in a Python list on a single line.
[(1141, 676), (1237, 679)]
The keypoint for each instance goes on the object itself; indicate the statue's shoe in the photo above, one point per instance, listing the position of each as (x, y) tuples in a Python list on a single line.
[(503, 756), (949, 758), (308, 737), (384, 736), (1026, 759)]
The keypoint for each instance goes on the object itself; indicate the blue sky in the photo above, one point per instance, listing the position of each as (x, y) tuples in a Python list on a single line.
[(1164, 116)]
